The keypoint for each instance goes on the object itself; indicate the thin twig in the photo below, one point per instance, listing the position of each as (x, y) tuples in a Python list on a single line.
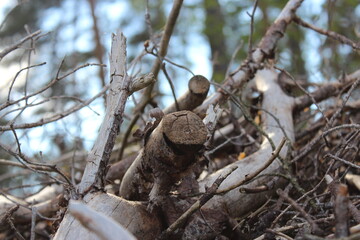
[(305, 91), (171, 86), (33, 104), (328, 33), (314, 227), (250, 176), (12, 226), (33, 222), (173, 63), (342, 160), (164, 43), (347, 96), (251, 29), (148, 20), (284, 236), (305, 150), (5, 216), (18, 73), (210, 192), (50, 84), (55, 117), (18, 44), (36, 167)]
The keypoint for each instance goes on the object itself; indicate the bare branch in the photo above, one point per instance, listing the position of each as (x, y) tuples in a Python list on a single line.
[(330, 34), (265, 50), (18, 73), (11, 48), (98, 158), (314, 227), (169, 28), (54, 117), (104, 227), (252, 28), (252, 175), (51, 83)]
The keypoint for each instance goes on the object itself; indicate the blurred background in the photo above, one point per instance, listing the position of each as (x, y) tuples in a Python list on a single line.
[(210, 38)]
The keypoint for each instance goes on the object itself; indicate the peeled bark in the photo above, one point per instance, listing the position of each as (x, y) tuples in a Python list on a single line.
[(235, 202), (132, 215)]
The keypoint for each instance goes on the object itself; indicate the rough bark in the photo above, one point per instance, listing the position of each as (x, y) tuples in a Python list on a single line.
[(130, 214), (99, 156), (194, 97), (235, 202), (169, 151)]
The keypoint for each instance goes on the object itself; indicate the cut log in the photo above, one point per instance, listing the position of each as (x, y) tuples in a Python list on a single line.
[(169, 151), (194, 97)]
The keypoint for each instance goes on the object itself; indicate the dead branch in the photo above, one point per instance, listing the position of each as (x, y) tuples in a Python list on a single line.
[(103, 226), (210, 192), (54, 117), (314, 227), (50, 84), (265, 50), (198, 88), (168, 152), (326, 91), (39, 167), (330, 34), (234, 201), (131, 214), (164, 43), (98, 51), (11, 48), (24, 212), (98, 158), (252, 175)]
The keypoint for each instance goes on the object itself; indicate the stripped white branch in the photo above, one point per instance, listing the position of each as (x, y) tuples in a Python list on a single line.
[(275, 103), (104, 227)]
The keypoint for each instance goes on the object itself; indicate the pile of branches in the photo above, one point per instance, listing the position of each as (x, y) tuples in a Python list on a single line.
[(283, 167)]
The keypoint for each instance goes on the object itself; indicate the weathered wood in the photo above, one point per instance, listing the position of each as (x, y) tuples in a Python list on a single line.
[(99, 156), (263, 51), (169, 151), (103, 226), (132, 215), (198, 89), (235, 202)]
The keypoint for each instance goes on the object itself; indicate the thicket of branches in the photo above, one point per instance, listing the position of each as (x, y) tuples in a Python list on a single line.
[(269, 153)]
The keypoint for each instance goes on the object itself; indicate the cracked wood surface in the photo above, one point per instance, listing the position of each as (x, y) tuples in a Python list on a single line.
[(99, 156)]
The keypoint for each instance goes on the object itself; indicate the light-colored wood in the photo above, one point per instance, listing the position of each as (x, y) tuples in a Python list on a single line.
[(99, 156), (276, 102), (130, 214)]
